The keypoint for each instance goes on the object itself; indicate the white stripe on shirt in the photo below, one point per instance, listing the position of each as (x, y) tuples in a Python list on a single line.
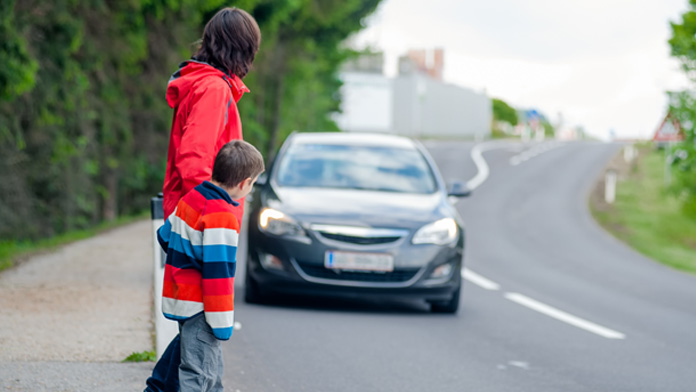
[(220, 236), (220, 319)]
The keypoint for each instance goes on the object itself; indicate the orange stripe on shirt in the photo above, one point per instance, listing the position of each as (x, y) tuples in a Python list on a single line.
[(221, 220), (218, 303)]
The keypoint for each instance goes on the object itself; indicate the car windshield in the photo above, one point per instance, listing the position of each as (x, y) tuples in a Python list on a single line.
[(356, 167)]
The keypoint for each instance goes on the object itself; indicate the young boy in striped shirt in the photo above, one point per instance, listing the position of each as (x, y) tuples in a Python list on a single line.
[(200, 239)]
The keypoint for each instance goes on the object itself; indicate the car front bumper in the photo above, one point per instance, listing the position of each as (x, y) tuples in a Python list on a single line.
[(299, 269)]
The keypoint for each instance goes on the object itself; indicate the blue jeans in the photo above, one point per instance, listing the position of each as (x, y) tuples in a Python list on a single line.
[(165, 375)]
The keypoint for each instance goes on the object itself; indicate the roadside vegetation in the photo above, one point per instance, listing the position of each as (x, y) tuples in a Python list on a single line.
[(145, 356), (683, 109), (83, 120), (646, 215), (506, 118)]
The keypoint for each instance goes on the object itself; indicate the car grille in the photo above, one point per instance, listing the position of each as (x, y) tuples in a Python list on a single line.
[(318, 271), (359, 240), (359, 235)]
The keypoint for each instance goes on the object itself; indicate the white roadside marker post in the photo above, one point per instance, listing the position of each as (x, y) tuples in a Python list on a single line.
[(629, 153), (610, 186), (165, 330)]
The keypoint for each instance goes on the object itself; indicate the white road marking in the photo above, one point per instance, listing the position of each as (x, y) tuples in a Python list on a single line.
[(519, 364), (237, 325), (479, 280), (533, 152), (481, 164), (563, 316)]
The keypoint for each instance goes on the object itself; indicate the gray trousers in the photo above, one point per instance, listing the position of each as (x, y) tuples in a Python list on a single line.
[(201, 357)]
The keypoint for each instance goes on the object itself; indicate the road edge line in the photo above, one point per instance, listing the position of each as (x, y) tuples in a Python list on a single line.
[(564, 317), (479, 280)]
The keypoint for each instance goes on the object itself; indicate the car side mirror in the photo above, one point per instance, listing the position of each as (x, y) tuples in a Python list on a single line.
[(458, 189), (262, 180)]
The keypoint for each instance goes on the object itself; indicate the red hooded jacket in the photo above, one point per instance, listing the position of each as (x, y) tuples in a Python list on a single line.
[(204, 100)]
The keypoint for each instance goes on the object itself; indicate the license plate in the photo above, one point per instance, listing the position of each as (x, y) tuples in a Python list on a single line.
[(355, 261)]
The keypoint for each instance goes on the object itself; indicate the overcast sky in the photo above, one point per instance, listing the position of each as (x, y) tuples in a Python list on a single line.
[(602, 64)]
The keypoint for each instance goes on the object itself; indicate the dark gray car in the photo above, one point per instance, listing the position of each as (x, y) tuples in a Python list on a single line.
[(355, 214)]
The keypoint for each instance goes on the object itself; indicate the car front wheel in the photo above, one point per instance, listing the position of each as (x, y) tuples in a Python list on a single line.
[(252, 293)]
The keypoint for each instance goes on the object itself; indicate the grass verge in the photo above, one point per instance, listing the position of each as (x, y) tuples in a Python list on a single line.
[(11, 252), (145, 356), (645, 215)]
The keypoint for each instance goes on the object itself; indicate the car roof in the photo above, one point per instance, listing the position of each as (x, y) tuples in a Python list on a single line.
[(353, 139)]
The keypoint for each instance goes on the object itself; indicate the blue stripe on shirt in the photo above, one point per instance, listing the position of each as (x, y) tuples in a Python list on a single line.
[(184, 246), (163, 235), (218, 270), (222, 333), (180, 260), (226, 253)]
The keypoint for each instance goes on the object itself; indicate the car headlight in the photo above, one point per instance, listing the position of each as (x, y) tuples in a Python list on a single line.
[(276, 222), (441, 232)]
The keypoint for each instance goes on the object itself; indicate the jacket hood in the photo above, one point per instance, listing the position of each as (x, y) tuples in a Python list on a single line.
[(190, 73)]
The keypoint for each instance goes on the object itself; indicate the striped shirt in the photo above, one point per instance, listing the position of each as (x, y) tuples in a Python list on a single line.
[(200, 239)]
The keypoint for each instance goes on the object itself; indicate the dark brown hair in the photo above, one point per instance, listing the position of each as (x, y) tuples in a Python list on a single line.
[(230, 41), (235, 162)]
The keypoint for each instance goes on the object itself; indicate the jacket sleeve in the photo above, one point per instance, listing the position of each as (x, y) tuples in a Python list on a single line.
[(164, 233), (220, 238), (201, 132)]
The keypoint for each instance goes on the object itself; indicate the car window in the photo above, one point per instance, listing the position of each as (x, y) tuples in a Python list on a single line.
[(355, 167)]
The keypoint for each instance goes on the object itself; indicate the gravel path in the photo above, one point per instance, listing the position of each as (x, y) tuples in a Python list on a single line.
[(68, 318)]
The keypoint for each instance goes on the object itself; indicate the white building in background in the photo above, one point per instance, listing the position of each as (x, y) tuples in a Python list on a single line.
[(416, 103), (368, 103)]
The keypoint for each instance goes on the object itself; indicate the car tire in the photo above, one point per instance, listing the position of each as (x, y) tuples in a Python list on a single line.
[(252, 293), (450, 306)]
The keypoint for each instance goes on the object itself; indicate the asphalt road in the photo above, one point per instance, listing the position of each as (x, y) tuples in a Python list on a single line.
[(551, 302)]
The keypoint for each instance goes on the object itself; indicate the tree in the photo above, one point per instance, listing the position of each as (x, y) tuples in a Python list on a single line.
[(683, 107), (75, 119), (504, 112), (83, 120)]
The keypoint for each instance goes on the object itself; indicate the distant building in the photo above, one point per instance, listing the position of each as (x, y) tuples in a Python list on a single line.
[(367, 103), (426, 107), (416, 103), (422, 61)]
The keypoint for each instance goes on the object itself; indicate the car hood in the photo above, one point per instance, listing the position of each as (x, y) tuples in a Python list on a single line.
[(359, 207)]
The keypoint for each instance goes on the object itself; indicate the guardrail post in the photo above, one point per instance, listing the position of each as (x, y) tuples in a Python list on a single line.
[(165, 330), (610, 186), (629, 153)]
